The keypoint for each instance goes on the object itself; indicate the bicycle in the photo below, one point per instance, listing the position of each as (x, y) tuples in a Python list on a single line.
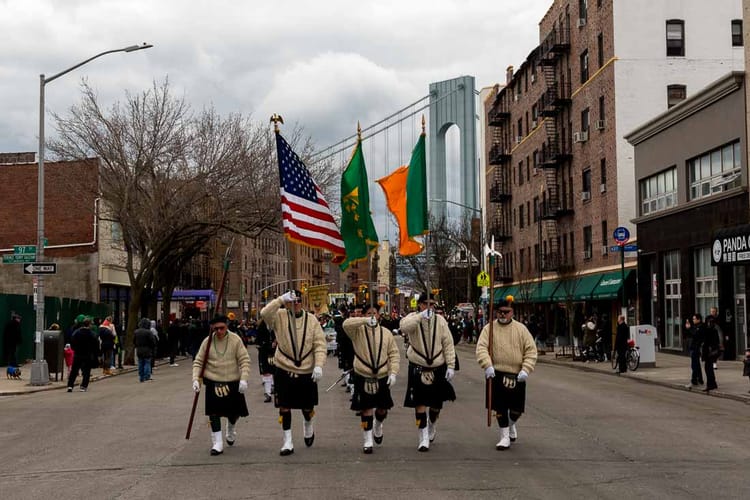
[(632, 357)]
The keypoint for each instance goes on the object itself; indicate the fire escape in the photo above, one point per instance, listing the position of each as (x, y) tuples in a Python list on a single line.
[(556, 151), (500, 184)]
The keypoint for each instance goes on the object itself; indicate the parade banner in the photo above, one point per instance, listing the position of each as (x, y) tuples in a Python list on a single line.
[(317, 298)]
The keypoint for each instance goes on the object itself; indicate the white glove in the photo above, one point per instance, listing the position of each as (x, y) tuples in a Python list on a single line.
[(450, 374), (522, 376), (391, 379), (196, 386), (289, 296), (243, 386), (372, 321), (317, 374), (427, 313), (489, 372)]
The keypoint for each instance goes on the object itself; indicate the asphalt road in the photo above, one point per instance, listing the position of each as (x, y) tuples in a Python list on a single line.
[(584, 435)]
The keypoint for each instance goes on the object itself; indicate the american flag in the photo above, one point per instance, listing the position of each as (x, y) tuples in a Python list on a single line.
[(306, 215)]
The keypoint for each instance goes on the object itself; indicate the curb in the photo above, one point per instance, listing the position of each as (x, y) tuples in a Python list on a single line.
[(94, 378), (714, 393)]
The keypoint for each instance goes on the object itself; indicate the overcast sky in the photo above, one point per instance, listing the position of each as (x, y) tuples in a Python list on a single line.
[(322, 64)]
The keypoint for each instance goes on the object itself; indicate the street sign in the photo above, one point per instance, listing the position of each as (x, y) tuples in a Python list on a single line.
[(40, 268), (615, 248), (483, 279), (18, 259), (621, 235), (24, 250), (630, 248)]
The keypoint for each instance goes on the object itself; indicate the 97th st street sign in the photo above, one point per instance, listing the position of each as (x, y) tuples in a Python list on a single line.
[(40, 268)]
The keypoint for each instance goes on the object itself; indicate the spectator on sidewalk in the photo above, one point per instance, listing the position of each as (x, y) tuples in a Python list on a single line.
[(710, 350), (746, 364), (85, 347), (622, 335), (12, 338), (694, 336), (68, 354), (145, 348), (107, 345)]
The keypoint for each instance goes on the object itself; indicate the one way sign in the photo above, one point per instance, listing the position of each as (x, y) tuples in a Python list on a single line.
[(40, 268)]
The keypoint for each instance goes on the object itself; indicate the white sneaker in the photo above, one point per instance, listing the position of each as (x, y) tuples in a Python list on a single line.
[(367, 446), (424, 440), (504, 442), (231, 434), (173, 364), (431, 430)]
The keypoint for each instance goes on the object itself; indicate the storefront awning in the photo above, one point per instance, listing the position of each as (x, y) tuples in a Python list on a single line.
[(192, 295), (502, 292), (609, 286), (577, 289), (731, 246), (544, 292)]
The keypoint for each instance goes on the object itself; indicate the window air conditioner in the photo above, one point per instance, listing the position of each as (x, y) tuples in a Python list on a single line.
[(602, 188), (533, 124), (599, 124), (585, 195), (587, 254), (519, 139), (533, 77), (582, 136), (581, 22), (605, 250)]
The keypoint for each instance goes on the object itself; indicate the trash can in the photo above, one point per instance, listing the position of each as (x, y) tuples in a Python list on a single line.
[(54, 343)]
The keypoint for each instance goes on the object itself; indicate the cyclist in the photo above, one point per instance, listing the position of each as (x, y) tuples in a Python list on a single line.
[(621, 343)]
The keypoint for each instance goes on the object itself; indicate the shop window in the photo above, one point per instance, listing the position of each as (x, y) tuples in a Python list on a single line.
[(659, 191), (715, 171)]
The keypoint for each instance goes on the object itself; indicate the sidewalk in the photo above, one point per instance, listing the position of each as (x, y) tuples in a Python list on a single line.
[(9, 387), (673, 371)]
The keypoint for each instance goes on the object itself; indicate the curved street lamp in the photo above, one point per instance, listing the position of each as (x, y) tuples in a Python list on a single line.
[(39, 370)]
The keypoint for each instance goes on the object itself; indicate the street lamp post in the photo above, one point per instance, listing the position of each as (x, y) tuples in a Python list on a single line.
[(39, 370)]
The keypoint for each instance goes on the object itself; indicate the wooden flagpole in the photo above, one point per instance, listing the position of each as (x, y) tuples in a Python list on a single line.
[(492, 321)]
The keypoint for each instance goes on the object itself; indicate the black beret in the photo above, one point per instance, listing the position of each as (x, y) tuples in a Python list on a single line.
[(219, 318), (424, 297)]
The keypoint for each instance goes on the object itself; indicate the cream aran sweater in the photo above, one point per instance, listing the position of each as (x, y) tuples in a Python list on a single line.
[(513, 347), (381, 352), (228, 360), (298, 350), (423, 349)]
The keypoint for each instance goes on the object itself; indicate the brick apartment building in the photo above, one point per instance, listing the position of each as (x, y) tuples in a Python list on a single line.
[(560, 175)]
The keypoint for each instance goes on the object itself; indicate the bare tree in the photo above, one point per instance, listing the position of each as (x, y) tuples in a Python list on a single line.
[(172, 179)]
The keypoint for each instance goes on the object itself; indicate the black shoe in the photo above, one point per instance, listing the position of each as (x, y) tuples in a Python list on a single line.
[(215, 452), (267, 398), (284, 453), (309, 441), (367, 450), (423, 448), (378, 440), (70, 389)]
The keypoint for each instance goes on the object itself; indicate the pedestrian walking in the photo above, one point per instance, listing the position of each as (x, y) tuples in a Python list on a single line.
[(432, 358), (106, 345), (145, 348), (299, 360), (376, 364), (622, 335), (227, 370), (85, 347), (12, 338), (746, 365), (68, 355), (693, 335), (710, 351), (507, 359)]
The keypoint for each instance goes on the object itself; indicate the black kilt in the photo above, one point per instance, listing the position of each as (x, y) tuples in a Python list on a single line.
[(361, 400), (433, 395), (294, 391), (223, 399), (265, 360), (506, 398)]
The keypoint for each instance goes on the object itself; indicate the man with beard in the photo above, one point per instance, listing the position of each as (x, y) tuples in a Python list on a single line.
[(376, 362), (507, 356), (432, 360), (300, 355)]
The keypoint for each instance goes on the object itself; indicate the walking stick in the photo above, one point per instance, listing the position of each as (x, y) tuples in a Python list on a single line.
[(195, 397), (492, 321)]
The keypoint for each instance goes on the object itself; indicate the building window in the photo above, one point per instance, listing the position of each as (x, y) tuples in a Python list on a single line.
[(603, 174), (584, 66), (528, 168), (587, 242), (672, 297), (600, 49), (659, 191), (715, 171), (586, 184), (675, 37), (521, 218), (520, 173), (605, 234), (520, 259), (583, 9), (737, 33), (585, 123), (706, 281), (536, 209), (675, 94), (116, 230), (528, 213)]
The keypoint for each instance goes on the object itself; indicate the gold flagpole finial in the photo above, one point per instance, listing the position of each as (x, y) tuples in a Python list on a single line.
[(359, 131), (423, 125), (276, 119)]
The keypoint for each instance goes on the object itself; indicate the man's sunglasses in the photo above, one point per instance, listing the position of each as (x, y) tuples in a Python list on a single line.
[(504, 311), (219, 328)]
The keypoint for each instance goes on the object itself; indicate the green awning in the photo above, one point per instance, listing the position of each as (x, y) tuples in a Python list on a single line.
[(577, 289), (502, 292), (543, 293), (609, 286)]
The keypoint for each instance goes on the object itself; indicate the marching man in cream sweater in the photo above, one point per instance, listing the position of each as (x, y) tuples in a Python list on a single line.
[(299, 359), (508, 361), (376, 361)]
